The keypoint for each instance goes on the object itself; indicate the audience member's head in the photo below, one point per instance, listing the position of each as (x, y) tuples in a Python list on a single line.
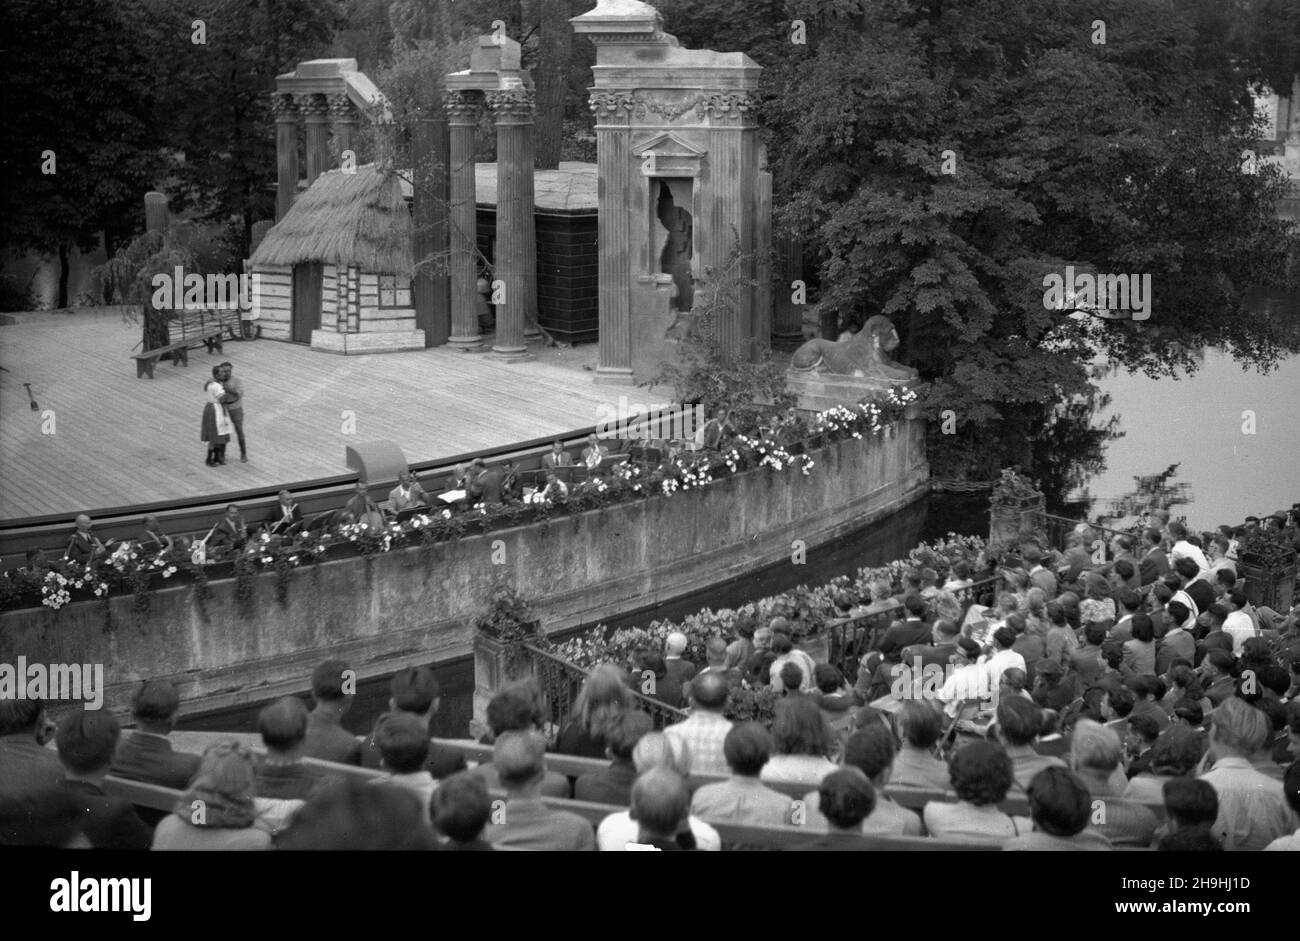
[(656, 750), (708, 691), (403, 742), (660, 804), (154, 706), (1095, 750), (86, 741), (1059, 803), (517, 708), (919, 724), (846, 798), (224, 784), (871, 750), (333, 684), (828, 678), (283, 725), (747, 748), (21, 716), (1190, 802), (461, 807), (981, 773), (353, 815), (520, 761), (1237, 729), (603, 698), (1019, 721), (414, 690), (624, 732), (1176, 752), (800, 729)]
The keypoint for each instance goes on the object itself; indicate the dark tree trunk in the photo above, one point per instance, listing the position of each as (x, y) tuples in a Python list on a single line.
[(552, 61), (155, 327), (64, 272)]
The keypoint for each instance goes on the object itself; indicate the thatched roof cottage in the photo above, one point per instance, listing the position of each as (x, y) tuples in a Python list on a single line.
[(336, 271)]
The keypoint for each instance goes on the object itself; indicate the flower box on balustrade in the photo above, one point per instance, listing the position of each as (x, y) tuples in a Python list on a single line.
[(786, 442)]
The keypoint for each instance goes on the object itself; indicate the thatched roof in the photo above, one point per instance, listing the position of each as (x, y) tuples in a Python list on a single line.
[(346, 219)]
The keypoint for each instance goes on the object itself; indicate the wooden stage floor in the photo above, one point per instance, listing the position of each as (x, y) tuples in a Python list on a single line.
[(120, 440)]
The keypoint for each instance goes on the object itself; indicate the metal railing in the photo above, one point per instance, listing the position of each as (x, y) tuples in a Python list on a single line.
[(561, 681), (1058, 528), (851, 638)]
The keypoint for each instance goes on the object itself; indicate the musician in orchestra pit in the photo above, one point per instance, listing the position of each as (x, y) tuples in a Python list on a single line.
[(153, 539), (285, 515), (362, 509), (408, 493), (593, 453), (556, 457), (85, 546), (230, 532), (511, 491)]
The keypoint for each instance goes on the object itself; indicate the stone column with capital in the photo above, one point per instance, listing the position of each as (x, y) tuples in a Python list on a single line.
[(346, 123), (613, 161), (516, 243), (286, 152), (1291, 147), (316, 125), (733, 165), (463, 110)]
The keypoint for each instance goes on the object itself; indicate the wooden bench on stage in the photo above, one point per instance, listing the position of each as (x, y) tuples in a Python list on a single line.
[(188, 330)]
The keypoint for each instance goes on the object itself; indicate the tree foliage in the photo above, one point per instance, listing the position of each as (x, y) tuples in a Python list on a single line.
[(76, 88), (1065, 152)]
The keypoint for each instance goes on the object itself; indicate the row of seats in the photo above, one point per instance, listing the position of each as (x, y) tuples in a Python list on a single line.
[(165, 799)]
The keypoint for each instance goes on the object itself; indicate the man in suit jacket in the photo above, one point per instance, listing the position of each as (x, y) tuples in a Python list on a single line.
[(1154, 563), (85, 546), (845, 799), (415, 690), (146, 754), (526, 822), (556, 457), (914, 629), (408, 493), (680, 671), (485, 483), (26, 765), (1038, 574), (940, 651), (86, 741), (230, 532), (333, 687), (284, 516)]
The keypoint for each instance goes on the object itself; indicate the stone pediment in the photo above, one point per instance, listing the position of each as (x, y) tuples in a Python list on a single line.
[(667, 154)]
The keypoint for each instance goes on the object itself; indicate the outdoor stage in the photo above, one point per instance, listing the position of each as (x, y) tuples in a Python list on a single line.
[(120, 440)]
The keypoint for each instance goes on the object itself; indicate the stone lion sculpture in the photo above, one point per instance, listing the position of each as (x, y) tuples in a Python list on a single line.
[(864, 355)]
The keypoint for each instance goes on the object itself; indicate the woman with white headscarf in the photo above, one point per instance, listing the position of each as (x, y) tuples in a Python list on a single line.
[(216, 424)]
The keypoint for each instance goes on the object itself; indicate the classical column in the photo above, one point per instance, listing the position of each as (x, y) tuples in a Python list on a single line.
[(613, 162), (462, 120), (316, 123), (512, 110), (430, 286), (726, 223), (346, 122), (1291, 147), (286, 152)]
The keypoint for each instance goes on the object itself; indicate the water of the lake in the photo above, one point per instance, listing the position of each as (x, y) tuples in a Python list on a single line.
[(1201, 423)]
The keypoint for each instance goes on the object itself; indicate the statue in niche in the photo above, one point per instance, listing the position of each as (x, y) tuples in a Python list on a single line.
[(864, 355), (675, 259)]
